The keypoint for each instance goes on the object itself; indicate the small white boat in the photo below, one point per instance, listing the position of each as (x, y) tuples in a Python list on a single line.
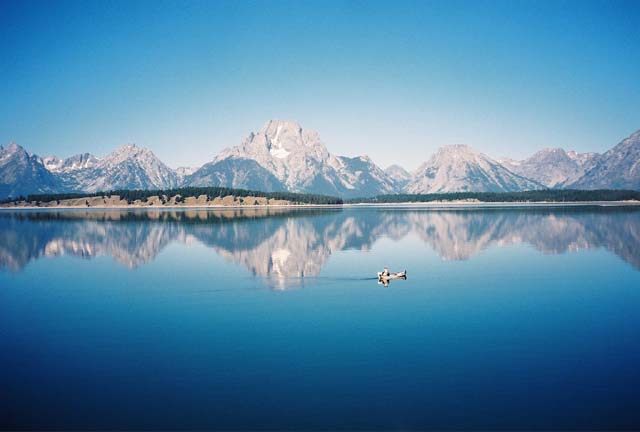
[(399, 275)]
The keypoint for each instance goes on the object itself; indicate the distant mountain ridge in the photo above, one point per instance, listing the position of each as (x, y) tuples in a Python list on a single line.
[(283, 156), (553, 167), (399, 175), (128, 167), (460, 168), (618, 168), (22, 173)]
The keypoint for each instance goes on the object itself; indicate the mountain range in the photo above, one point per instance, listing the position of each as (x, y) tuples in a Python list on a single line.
[(283, 156)]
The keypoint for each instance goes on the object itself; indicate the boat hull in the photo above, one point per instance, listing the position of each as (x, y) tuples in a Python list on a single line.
[(400, 275)]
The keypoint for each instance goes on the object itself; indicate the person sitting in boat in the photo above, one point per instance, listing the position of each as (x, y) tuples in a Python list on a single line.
[(385, 272)]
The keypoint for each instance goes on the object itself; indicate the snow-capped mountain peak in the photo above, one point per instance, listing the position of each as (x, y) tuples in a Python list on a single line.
[(300, 162), (73, 163), (282, 137), (275, 146)]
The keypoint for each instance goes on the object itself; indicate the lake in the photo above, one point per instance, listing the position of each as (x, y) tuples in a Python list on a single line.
[(523, 318)]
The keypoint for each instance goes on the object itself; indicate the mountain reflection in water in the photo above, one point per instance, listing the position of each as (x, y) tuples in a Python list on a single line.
[(296, 243)]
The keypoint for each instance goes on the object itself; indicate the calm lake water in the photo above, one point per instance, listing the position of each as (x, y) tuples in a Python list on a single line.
[(274, 319)]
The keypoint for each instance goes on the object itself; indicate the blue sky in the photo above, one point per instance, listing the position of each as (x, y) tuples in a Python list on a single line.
[(394, 80)]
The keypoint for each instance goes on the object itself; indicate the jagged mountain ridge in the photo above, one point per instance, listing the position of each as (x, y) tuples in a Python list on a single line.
[(283, 156), (22, 173), (552, 167), (128, 167), (70, 164), (459, 168), (618, 168)]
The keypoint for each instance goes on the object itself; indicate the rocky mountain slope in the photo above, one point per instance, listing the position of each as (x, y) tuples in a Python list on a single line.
[(398, 175), (128, 167), (618, 168), (552, 167), (459, 168), (236, 173), (73, 163), (184, 172), (22, 173)]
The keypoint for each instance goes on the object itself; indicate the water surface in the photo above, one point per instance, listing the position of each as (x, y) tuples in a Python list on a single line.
[(273, 318)]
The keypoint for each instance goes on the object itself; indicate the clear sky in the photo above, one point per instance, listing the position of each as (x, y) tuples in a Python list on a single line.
[(394, 80)]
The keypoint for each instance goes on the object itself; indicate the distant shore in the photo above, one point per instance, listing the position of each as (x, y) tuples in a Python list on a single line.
[(219, 197)]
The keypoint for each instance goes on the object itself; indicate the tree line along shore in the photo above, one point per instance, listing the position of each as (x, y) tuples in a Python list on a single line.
[(544, 195), (190, 196), (216, 196)]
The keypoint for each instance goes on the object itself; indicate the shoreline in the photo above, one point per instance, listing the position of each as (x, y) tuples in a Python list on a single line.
[(433, 204), (500, 204)]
